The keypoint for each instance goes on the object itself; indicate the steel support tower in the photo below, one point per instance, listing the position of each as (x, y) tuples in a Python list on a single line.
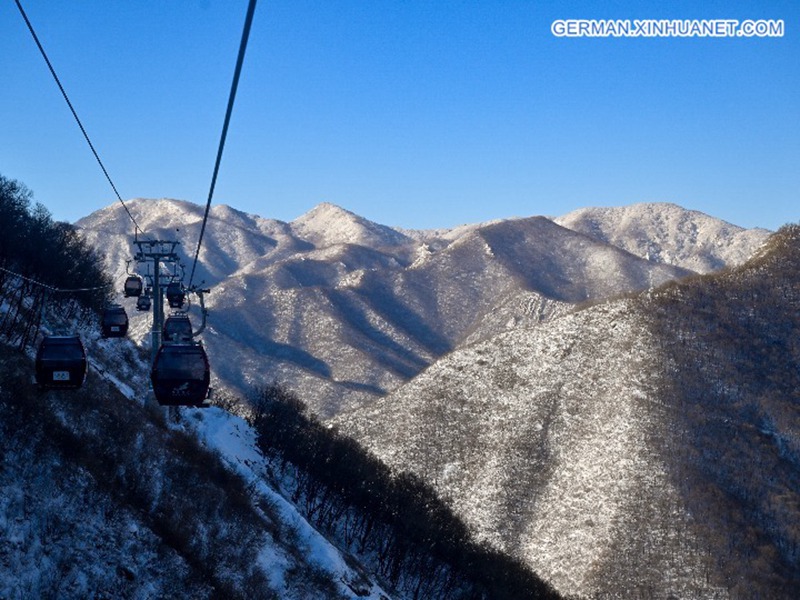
[(157, 252)]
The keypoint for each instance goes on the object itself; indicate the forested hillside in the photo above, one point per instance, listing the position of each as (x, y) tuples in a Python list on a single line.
[(35, 249), (101, 499), (731, 388), (394, 522), (643, 446)]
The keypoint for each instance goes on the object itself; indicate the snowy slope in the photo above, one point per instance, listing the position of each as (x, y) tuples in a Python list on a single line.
[(536, 437), (107, 500)]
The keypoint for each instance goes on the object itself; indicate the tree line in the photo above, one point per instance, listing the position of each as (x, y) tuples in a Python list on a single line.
[(396, 520), (36, 250)]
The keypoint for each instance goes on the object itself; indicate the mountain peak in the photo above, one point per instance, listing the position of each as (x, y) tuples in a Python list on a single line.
[(163, 213), (329, 209), (328, 224)]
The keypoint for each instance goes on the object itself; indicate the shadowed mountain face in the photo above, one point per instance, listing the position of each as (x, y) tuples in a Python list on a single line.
[(344, 310), (639, 447)]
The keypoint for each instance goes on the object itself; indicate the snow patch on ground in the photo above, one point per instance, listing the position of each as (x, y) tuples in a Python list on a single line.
[(235, 441)]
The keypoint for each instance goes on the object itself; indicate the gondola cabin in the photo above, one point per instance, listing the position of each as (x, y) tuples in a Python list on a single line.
[(61, 362), (176, 296), (133, 286), (177, 328), (143, 303), (181, 374), (115, 321)]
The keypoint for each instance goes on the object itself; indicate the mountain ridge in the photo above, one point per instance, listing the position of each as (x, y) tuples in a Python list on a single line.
[(346, 314), (665, 232)]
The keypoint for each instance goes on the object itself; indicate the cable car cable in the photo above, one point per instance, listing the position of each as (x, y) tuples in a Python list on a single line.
[(50, 287), (75, 114), (239, 60)]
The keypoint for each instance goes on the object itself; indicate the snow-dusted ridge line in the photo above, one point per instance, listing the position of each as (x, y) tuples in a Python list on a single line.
[(667, 233), (343, 310)]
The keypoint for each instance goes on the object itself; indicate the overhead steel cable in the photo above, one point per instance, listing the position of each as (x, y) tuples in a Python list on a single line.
[(240, 59), (50, 287), (75, 114)]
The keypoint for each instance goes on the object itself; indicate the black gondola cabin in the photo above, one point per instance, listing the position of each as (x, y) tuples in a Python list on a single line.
[(175, 295), (181, 374), (61, 362), (143, 303), (115, 321), (177, 328), (133, 286)]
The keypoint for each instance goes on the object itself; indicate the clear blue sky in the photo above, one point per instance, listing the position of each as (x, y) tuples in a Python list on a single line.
[(417, 114)]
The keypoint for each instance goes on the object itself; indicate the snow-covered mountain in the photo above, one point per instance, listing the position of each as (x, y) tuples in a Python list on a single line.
[(667, 233), (344, 310), (329, 225), (643, 446)]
